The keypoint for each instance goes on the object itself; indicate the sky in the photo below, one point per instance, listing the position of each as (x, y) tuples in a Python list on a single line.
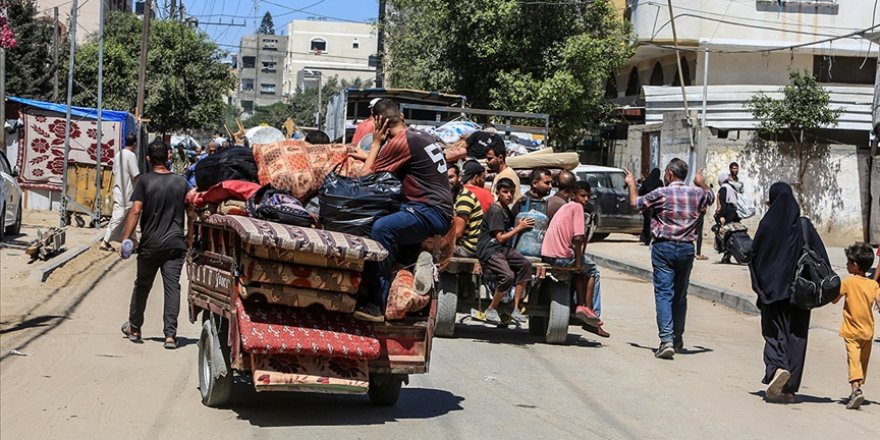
[(283, 11)]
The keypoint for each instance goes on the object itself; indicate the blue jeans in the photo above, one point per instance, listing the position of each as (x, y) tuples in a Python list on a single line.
[(402, 234), (672, 263), (588, 269)]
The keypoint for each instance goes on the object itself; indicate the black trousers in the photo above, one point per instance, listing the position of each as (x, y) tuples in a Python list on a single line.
[(646, 236), (170, 263), (785, 329)]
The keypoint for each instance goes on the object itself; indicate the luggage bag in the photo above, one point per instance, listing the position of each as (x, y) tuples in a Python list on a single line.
[(739, 244)]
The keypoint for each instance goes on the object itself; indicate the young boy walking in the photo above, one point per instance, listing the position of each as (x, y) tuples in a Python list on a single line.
[(857, 328)]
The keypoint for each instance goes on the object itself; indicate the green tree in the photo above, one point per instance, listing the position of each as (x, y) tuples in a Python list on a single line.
[(267, 26), (802, 111), (29, 66), (547, 57), (187, 80)]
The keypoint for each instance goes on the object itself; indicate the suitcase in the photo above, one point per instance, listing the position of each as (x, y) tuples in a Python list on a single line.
[(739, 244), (232, 163)]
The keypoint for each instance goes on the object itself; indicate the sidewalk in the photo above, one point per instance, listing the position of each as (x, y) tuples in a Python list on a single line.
[(726, 284)]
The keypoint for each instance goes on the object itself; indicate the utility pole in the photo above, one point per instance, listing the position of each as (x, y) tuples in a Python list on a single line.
[(380, 47), (67, 117), (142, 71), (55, 38), (99, 168)]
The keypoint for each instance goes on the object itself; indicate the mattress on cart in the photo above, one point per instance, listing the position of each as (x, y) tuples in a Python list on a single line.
[(276, 329), (331, 245), (309, 373), (259, 270), (300, 297)]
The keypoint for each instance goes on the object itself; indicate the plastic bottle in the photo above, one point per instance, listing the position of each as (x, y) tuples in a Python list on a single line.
[(127, 249)]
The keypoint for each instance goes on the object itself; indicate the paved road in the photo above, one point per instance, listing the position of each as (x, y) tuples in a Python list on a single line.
[(83, 380)]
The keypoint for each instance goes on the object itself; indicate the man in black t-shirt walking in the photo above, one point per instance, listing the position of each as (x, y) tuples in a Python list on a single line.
[(158, 201)]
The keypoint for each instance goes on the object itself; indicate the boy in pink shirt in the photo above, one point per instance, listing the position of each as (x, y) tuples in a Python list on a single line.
[(564, 244)]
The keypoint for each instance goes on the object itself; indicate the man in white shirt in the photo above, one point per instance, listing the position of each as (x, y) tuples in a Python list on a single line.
[(125, 174)]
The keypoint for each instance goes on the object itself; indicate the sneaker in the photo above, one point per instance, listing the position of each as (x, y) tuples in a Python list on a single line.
[(423, 274), (855, 400), (596, 330), (131, 332), (492, 316), (368, 312), (665, 351), (587, 315), (518, 316), (774, 389), (678, 346), (170, 342)]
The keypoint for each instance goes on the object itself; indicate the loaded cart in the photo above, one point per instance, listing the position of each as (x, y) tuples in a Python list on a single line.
[(276, 304)]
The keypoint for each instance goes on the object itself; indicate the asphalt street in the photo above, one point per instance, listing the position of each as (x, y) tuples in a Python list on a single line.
[(76, 377)]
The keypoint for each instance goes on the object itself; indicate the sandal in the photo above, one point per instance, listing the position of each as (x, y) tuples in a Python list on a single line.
[(106, 247), (855, 399), (131, 332)]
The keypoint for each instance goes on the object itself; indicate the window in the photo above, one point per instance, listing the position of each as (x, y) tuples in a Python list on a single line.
[(686, 70), (248, 62), (248, 106), (828, 69), (355, 44), (247, 85), (4, 165), (632, 85), (618, 180), (270, 66), (270, 44), (318, 45), (267, 89), (657, 75)]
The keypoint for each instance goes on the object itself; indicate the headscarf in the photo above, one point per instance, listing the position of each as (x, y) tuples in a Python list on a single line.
[(777, 246), (730, 193), (651, 183)]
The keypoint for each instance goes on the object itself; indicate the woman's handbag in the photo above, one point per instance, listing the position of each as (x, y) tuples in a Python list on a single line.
[(815, 282)]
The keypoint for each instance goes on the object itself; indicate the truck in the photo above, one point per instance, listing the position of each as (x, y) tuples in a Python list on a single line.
[(294, 338)]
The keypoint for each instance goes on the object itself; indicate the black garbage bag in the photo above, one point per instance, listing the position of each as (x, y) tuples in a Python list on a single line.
[(352, 205), (233, 163)]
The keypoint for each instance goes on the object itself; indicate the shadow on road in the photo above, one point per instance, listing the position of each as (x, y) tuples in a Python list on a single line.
[(280, 409), (696, 349), (804, 398), (37, 321), (515, 336), (182, 341)]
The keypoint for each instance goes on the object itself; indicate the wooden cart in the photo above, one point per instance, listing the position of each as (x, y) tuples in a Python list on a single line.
[(215, 298)]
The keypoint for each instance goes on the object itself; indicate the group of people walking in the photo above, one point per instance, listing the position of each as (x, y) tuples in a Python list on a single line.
[(779, 244)]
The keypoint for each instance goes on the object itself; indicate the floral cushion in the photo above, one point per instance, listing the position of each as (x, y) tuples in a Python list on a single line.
[(309, 373), (258, 270), (257, 232), (300, 297), (275, 329), (299, 167), (402, 297), (303, 258)]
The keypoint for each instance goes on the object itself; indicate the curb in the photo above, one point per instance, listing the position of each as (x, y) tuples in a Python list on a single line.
[(42, 273), (719, 295)]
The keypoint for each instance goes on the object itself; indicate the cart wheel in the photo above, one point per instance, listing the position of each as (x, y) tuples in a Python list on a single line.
[(80, 223), (216, 391), (385, 388), (447, 305), (560, 311), (537, 324)]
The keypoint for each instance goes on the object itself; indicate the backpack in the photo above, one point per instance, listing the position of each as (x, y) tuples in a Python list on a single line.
[(277, 206), (815, 283), (745, 206), (232, 163)]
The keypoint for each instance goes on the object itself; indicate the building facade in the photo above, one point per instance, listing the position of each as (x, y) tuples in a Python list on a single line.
[(86, 17), (260, 70), (319, 50)]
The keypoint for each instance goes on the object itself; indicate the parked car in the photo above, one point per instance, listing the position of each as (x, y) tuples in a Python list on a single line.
[(610, 200), (10, 202)]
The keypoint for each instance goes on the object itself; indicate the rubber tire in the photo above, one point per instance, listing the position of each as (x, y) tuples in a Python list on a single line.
[(538, 324), (447, 306), (599, 236), (216, 392), (15, 228), (385, 388), (2, 222), (560, 311)]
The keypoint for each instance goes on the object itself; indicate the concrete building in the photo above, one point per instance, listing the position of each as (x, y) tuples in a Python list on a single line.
[(260, 70), (87, 16), (743, 48), (327, 49)]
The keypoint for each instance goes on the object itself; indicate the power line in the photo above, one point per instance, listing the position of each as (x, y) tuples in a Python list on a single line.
[(288, 52)]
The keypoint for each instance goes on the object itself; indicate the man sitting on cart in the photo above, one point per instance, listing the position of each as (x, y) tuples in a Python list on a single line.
[(468, 216), (564, 244), (540, 183), (496, 255), (418, 162)]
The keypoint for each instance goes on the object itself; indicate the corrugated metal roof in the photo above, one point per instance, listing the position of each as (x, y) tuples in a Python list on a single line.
[(725, 104)]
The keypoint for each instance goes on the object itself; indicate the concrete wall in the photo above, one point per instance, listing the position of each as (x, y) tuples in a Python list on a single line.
[(341, 58)]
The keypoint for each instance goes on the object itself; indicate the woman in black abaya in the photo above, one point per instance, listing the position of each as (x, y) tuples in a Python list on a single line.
[(776, 249), (651, 183)]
